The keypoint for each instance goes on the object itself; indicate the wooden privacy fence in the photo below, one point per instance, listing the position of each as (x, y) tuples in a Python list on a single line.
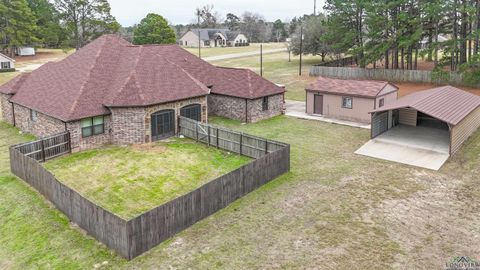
[(131, 238), (229, 140), (105, 226), (46, 148), (392, 75)]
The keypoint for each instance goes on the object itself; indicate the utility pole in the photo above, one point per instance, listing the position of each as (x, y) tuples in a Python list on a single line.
[(199, 39), (261, 60), (301, 51), (314, 7)]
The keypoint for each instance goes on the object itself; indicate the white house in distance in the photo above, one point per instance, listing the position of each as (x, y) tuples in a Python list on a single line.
[(6, 63), (25, 51), (213, 38)]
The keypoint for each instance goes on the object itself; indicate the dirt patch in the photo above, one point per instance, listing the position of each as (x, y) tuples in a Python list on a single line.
[(408, 88), (41, 56), (431, 225)]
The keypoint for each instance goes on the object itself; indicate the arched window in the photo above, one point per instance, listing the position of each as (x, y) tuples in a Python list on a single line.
[(193, 111), (163, 124)]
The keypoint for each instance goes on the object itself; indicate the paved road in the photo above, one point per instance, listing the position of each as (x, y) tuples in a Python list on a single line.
[(241, 55)]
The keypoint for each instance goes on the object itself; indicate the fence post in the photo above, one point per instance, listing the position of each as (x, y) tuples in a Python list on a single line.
[(218, 140), (43, 150), (69, 144), (196, 130), (241, 142), (208, 135), (266, 147)]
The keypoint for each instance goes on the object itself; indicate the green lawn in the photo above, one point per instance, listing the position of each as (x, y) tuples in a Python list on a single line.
[(278, 69), (334, 209), (132, 180), (254, 47)]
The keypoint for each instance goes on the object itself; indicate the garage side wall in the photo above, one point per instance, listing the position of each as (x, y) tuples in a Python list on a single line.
[(256, 112), (44, 125), (6, 111), (332, 107), (226, 106), (407, 117), (461, 132)]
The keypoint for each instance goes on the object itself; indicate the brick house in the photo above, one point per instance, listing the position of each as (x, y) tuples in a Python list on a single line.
[(111, 91), (213, 38)]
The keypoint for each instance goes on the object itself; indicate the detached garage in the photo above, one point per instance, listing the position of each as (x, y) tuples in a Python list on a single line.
[(431, 122)]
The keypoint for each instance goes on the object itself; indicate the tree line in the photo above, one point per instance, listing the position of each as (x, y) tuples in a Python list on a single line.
[(54, 24), (395, 33)]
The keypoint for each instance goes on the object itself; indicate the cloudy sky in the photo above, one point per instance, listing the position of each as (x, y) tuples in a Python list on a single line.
[(130, 12)]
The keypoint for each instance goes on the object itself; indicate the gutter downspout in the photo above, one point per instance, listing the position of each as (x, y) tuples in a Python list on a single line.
[(13, 114), (246, 110)]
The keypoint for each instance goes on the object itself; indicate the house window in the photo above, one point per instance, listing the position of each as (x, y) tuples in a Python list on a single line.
[(186, 43), (92, 126), (265, 104), (347, 102), (206, 43), (381, 103), (33, 115), (5, 65)]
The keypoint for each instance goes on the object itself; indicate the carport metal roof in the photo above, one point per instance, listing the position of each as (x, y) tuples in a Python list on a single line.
[(447, 103)]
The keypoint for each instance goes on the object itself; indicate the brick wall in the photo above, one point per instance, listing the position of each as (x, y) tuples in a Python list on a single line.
[(226, 106), (43, 126), (133, 125), (6, 113), (78, 143), (234, 107), (256, 112)]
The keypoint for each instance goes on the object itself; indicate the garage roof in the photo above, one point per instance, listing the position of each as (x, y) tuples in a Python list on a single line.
[(360, 88), (446, 103)]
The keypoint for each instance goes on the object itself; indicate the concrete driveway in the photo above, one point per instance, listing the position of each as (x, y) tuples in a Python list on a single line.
[(417, 146), (297, 109)]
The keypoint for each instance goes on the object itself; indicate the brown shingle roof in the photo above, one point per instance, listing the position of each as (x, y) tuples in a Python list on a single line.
[(361, 88), (446, 103), (243, 83), (112, 72)]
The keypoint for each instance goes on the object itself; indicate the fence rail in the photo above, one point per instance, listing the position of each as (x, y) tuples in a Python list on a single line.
[(393, 75), (46, 148), (131, 238), (229, 140)]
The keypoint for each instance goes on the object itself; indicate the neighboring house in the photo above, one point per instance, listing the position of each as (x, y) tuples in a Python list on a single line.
[(350, 100), (213, 38), (444, 110), (6, 63), (424, 43), (25, 51), (111, 91)]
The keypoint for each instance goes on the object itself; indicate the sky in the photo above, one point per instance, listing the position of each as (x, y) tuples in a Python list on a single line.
[(128, 12)]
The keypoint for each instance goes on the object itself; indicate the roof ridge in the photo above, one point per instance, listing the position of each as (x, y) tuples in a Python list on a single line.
[(6, 56), (249, 76), (82, 88), (187, 73), (129, 77)]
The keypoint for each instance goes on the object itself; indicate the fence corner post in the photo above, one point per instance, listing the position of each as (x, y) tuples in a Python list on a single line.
[(43, 150)]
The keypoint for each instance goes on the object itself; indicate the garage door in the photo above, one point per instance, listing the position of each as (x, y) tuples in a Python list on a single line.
[(163, 124), (192, 111)]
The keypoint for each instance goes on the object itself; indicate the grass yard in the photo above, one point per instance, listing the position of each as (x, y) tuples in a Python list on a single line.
[(129, 181), (334, 210), (207, 52), (278, 69)]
